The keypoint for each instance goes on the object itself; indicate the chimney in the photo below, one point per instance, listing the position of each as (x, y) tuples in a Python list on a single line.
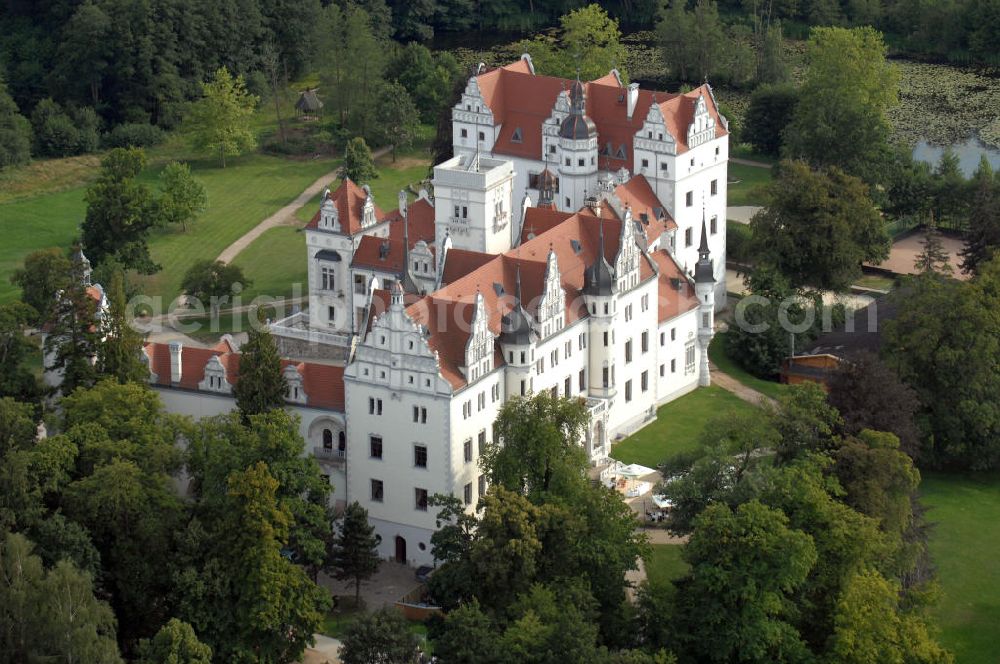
[(176, 348), (633, 98)]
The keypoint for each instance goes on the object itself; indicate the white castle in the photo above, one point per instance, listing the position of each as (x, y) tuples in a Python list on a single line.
[(574, 244)]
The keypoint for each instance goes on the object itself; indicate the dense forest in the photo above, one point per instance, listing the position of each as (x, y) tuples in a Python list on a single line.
[(136, 61)]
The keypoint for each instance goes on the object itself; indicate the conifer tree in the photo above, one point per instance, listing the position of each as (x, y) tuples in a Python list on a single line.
[(355, 556), (932, 257), (119, 354), (261, 387), (358, 163), (983, 238), (72, 338)]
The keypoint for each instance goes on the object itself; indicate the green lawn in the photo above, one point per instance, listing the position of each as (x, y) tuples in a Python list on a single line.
[(36, 223), (678, 426), (749, 180), (965, 539), (409, 168), (274, 262), (664, 564), (876, 281), (717, 353)]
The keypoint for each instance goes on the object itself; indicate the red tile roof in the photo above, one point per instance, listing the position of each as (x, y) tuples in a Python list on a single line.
[(520, 99), (350, 201), (370, 253), (323, 384), (460, 262)]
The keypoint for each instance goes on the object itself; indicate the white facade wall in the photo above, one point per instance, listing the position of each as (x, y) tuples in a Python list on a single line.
[(200, 405), (475, 207), (672, 375)]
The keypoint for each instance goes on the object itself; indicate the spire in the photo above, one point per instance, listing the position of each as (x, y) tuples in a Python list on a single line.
[(703, 247), (517, 285), (704, 271), (405, 211)]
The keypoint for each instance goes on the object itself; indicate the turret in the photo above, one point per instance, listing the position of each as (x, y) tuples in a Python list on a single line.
[(578, 152), (81, 265), (704, 287), (517, 342), (599, 294)]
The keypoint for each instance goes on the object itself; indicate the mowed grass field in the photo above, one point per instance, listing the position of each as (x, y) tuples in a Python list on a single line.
[(749, 181), (249, 189), (274, 262), (678, 426), (964, 542), (664, 564)]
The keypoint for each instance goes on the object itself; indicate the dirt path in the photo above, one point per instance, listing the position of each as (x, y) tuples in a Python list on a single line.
[(751, 162), (730, 384), (286, 215)]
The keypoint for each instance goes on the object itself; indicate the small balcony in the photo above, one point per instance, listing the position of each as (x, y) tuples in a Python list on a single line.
[(329, 455)]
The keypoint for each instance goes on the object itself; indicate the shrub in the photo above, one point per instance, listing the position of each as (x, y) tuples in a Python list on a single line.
[(61, 134), (134, 134), (738, 242)]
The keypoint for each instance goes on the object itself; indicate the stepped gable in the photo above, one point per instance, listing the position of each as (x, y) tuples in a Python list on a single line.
[(520, 99), (350, 201), (447, 313)]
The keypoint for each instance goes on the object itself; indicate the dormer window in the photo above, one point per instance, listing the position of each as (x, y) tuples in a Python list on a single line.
[(215, 377), (328, 216), (295, 391), (517, 136)]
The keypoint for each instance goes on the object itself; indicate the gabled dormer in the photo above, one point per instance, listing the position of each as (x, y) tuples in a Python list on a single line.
[(368, 217), (329, 218), (215, 377), (702, 127), (627, 260), (552, 305), (293, 379), (479, 347)]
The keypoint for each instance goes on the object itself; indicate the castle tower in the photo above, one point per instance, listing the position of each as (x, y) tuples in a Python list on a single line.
[(599, 294), (577, 152), (517, 342), (473, 203), (704, 287)]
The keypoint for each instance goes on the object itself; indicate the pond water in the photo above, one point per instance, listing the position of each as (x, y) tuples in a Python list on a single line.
[(968, 154)]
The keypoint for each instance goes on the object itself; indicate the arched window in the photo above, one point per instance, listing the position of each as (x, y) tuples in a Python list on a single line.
[(341, 441), (327, 439)]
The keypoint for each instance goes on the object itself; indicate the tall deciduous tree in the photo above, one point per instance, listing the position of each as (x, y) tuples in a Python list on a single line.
[(849, 87), (945, 341), (358, 163), (382, 636), (119, 355), (120, 212), (261, 387), (50, 615), (224, 445), (355, 555), (818, 227), (15, 131), (182, 197), (212, 282), (588, 44), (245, 599), (869, 395), (45, 273), (220, 120), (771, 109), (735, 603), (537, 450), (16, 380), (397, 117), (175, 643)]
